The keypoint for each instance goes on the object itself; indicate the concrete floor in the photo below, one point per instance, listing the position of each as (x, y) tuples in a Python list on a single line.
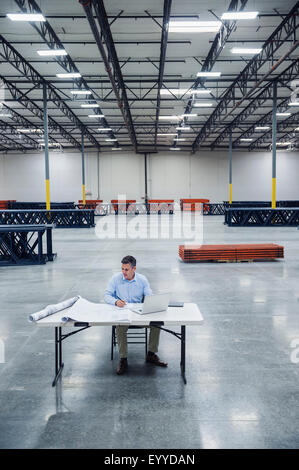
[(243, 388)]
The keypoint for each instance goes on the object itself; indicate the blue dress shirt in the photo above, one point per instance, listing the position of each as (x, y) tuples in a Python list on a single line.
[(119, 288)]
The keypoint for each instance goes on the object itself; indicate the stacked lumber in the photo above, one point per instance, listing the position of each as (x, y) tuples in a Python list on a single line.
[(4, 205), (192, 204), (233, 253), (160, 205), (89, 203)]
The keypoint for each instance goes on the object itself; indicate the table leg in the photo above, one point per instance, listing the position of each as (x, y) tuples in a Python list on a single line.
[(49, 244), (183, 352), (58, 355)]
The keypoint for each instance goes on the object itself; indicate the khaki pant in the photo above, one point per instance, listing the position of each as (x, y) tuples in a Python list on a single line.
[(121, 334)]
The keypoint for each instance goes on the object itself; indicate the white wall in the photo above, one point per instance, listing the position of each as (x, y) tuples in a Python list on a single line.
[(170, 175)]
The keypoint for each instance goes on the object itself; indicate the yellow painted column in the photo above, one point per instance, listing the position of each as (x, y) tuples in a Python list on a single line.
[(273, 193), (48, 195), (83, 189), (230, 193)]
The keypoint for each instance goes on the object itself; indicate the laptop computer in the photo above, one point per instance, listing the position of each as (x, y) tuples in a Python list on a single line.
[(152, 303)]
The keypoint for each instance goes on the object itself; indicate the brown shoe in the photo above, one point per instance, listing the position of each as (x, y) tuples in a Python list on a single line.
[(154, 359), (122, 366)]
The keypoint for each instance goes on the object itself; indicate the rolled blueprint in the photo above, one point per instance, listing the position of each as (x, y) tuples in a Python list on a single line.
[(50, 309)]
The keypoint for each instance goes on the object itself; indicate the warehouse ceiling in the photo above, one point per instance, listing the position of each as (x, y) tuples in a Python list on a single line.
[(142, 76)]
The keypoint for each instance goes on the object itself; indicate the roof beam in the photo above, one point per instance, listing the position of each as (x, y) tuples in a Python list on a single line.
[(286, 28), (31, 106), (111, 61), (164, 39), (266, 94), (45, 30)]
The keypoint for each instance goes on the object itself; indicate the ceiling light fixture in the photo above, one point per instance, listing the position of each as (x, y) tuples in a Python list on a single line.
[(96, 115), (169, 118), (194, 26), (174, 148), (246, 50), (208, 74), (175, 91), (283, 114), (201, 92), (81, 92), (262, 128), (239, 15), (5, 115), (69, 75), (246, 140), (202, 105), (26, 17), (104, 129), (52, 52), (186, 128), (90, 105)]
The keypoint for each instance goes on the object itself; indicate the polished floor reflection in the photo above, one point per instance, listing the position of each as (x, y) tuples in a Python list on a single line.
[(243, 379)]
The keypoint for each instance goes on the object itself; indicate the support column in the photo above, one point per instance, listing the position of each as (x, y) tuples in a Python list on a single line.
[(46, 139), (274, 133), (83, 168), (230, 165), (145, 179)]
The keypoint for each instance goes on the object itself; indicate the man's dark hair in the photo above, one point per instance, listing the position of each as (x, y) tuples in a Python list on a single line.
[(129, 260)]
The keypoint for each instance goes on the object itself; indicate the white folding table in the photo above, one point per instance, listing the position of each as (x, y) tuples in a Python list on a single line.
[(188, 314)]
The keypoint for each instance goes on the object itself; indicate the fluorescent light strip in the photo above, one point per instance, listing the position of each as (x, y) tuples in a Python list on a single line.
[(245, 50), (208, 74), (26, 17), (169, 118), (5, 115), (202, 105), (183, 128), (162, 135), (294, 103), (175, 91), (262, 128), (52, 52), (239, 15), (104, 129), (183, 140), (194, 26), (69, 75), (189, 115), (81, 92), (296, 129), (283, 114), (201, 92), (111, 140), (246, 140), (116, 148), (90, 105), (29, 131), (174, 148), (194, 29), (96, 115), (283, 143)]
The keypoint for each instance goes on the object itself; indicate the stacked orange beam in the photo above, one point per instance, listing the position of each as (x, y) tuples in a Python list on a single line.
[(233, 253), (4, 204), (191, 204), (158, 204), (89, 203)]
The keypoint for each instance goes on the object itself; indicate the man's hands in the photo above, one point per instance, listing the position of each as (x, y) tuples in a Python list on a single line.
[(120, 303)]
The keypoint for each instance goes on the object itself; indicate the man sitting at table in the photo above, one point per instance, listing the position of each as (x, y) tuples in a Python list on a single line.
[(131, 287)]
